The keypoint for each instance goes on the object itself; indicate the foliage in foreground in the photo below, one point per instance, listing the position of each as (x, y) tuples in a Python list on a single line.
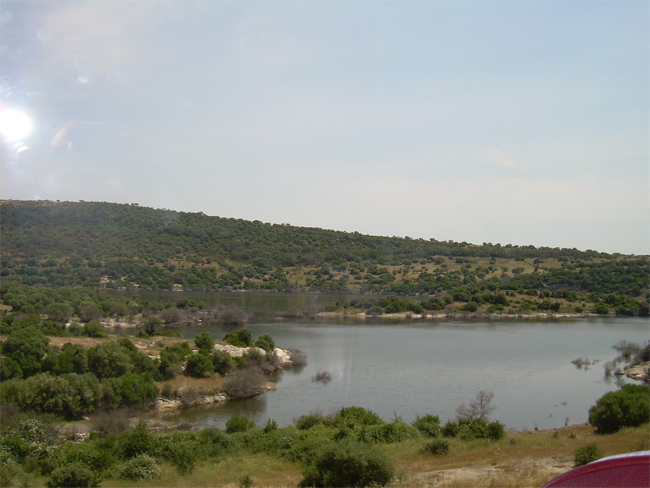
[(348, 463), (627, 407), (587, 454)]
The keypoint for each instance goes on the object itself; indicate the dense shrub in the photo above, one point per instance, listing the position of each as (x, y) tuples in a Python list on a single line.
[(469, 429), (109, 360), (348, 463), (27, 347), (139, 441), (356, 417), (72, 475), (239, 338), (139, 468), (308, 421), (222, 362), (627, 407), (8, 468), (204, 341), (95, 329), (239, 424), (199, 365), (429, 425), (181, 449), (389, 433), (437, 447), (137, 389), (265, 342), (587, 454), (51, 394)]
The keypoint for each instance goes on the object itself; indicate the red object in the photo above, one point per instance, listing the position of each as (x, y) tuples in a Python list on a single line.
[(623, 471)]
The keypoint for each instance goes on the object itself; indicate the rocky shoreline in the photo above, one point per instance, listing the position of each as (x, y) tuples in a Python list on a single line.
[(282, 359), (357, 315)]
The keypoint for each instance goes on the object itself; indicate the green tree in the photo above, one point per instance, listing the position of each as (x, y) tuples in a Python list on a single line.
[(204, 341), (348, 463), (239, 338), (199, 365), (27, 347), (627, 407), (109, 360)]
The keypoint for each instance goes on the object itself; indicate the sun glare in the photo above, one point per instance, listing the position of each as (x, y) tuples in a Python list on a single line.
[(14, 124)]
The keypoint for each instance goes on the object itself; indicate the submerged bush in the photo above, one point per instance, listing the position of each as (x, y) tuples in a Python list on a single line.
[(627, 407), (348, 463)]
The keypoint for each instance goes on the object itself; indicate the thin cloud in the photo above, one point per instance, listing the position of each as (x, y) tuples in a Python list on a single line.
[(94, 38), (496, 156)]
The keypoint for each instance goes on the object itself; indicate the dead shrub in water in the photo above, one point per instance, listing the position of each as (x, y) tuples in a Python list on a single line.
[(245, 383), (231, 315), (322, 376), (258, 359), (298, 358)]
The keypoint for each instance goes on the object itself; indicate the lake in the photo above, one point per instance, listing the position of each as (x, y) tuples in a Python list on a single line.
[(416, 368)]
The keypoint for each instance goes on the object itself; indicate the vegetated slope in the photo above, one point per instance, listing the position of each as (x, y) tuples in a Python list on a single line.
[(91, 243)]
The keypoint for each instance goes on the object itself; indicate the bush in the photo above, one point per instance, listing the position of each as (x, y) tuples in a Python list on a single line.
[(180, 449), (356, 417), (390, 433), (265, 342), (199, 365), (469, 429), (306, 422), (222, 362), (73, 475), (95, 329), (140, 468), (239, 338), (627, 407), (245, 383), (495, 430), (587, 454), (437, 447), (8, 469), (429, 425), (348, 463), (204, 341), (139, 441), (239, 424)]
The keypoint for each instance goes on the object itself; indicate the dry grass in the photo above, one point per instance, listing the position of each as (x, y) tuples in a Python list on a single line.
[(264, 470), (182, 384), (520, 459), (524, 459)]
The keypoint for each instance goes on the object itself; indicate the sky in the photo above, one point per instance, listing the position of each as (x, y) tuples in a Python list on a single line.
[(512, 122)]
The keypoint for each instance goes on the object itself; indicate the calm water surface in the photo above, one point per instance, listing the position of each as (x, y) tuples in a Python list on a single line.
[(415, 368)]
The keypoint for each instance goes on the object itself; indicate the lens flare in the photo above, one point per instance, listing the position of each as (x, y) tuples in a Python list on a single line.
[(14, 124)]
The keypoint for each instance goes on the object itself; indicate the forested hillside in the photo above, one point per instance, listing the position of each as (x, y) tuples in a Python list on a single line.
[(111, 245)]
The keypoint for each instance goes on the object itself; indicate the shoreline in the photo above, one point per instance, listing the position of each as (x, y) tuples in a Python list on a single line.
[(359, 315)]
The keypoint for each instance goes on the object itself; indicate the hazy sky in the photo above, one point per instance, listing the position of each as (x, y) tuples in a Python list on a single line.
[(512, 122)]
